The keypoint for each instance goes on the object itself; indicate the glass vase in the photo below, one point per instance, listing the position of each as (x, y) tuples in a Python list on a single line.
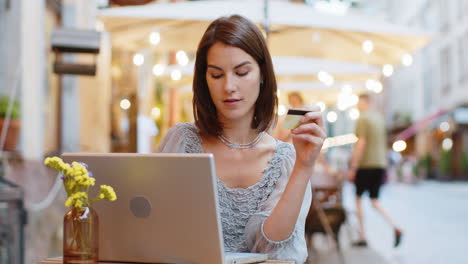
[(80, 236)]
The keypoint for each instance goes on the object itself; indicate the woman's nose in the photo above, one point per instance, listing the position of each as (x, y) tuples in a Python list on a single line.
[(230, 84)]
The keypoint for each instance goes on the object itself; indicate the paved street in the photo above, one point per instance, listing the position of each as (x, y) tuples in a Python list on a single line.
[(433, 215)]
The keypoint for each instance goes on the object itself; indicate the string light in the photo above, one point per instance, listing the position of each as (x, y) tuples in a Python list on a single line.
[(444, 126), (176, 75), (182, 58), (326, 78), (387, 70), (447, 144), (322, 106), (373, 85), (354, 113), (407, 59), (158, 69), (138, 59), (282, 110), (332, 117), (399, 145), (155, 112), (368, 46), (125, 104), (154, 37)]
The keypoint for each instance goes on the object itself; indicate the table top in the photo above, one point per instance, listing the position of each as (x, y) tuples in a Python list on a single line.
[(58, 260)]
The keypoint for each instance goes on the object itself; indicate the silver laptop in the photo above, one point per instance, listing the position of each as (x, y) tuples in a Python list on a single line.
[(166, 209)]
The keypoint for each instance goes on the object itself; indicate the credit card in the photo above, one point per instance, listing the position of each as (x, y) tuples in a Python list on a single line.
[(293, 118)]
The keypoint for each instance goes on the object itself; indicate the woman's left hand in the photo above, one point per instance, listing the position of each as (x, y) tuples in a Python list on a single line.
[(308, 138)]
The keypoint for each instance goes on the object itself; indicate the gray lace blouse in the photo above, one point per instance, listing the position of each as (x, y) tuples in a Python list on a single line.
[(244, 211)]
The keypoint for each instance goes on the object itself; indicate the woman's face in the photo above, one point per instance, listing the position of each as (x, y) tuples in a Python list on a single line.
[(295, 101), (233, 79)]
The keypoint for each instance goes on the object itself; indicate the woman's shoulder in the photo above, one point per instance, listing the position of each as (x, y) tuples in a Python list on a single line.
[(285, 148), (182, 137), (186, 128), (283, 152)]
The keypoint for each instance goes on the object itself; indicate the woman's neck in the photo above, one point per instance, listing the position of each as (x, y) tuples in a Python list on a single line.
[(239, 132)]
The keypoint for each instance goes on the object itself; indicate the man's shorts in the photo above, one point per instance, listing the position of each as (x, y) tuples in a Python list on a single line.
[(369, 180)]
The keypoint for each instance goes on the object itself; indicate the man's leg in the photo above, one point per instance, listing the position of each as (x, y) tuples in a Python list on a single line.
[(374, 195), (397, 232), (376, 204), (360, 184), (359, 212)]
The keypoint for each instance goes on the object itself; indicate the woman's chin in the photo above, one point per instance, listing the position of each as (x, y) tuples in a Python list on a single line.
[(235, 116)]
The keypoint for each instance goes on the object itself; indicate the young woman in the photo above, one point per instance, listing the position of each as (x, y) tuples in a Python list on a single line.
[(262, 182)]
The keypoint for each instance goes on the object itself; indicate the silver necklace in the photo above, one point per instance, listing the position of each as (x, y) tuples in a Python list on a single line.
[(234, 145)]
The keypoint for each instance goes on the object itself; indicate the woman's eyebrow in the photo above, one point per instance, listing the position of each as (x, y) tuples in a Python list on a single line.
[(242, 64), (237, 66), (214, 67)]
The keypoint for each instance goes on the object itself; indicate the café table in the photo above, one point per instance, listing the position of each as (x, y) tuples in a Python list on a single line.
[(58, 260)]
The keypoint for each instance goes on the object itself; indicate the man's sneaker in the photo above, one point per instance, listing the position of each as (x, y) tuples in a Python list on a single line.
[(360, 243), (398, 236)]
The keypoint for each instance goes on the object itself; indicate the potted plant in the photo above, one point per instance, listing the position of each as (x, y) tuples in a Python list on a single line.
[(14, 124), (81, 222), (425, 167), (418, 172), (464, 165), (445, 165)]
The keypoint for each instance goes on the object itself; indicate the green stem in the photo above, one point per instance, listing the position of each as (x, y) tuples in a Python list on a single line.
[(79, 232), (90, 231), (75, 230)]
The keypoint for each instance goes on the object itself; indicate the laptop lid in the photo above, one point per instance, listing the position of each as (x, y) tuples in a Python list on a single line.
[(166, 209)]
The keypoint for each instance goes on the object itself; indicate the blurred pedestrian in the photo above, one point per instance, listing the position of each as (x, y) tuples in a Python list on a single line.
[(368, 165), (295, 100)]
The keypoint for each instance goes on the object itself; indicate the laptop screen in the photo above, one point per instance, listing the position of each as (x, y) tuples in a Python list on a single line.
[(166, 209)]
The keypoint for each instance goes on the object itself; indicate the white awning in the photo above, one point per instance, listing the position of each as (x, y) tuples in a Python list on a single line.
[(298, 29)]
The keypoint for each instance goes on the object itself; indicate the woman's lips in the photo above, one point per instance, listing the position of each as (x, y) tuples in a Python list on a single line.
[(231, 101)]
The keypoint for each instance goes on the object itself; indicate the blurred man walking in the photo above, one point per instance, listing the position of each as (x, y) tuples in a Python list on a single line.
[(368, 164)]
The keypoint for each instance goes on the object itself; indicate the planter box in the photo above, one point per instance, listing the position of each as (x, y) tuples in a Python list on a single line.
[(12, 134)]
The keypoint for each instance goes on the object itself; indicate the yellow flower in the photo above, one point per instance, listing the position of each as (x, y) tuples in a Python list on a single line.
[(77, 180), (77, 200), (108, 192)]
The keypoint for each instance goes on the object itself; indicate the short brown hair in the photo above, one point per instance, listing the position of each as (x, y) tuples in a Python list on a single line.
[(297, 95), (239, 32), (364, 96)]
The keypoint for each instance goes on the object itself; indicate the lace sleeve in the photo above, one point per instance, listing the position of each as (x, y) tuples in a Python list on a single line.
[(181, 138), (292, 248)]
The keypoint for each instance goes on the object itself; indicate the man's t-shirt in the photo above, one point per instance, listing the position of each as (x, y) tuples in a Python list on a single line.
[(371, 127)]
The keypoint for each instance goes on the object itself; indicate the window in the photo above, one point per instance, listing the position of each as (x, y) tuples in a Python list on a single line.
[(463, 7), (443, 16), (463, 58), (428, 79), (3, 44), (460, 9), (445, 69), (430, 16)]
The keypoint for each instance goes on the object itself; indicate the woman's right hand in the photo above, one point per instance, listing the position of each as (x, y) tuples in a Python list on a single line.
[(308, 138)]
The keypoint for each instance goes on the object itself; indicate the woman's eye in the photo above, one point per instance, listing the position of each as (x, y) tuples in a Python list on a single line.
[(242, 73), (216, 76)]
